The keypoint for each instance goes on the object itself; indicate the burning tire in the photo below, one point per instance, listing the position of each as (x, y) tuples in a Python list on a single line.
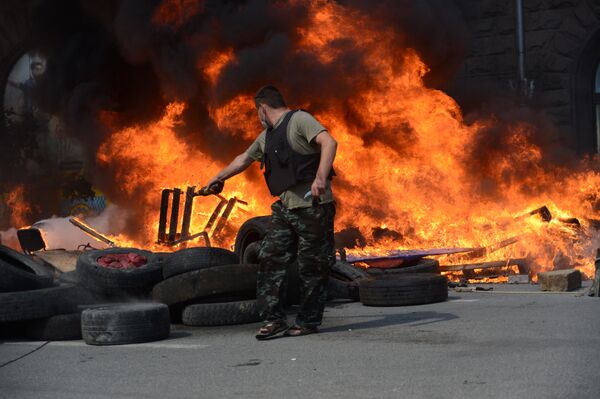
[(191, 259), (116, 281), (56, 328), (19, 272), (252, 230), (423, 266), (125, 324), (221, 314), (231, 280), (406, 289), (37, 304)]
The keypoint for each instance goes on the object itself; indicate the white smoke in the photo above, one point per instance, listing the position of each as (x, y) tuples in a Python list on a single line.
[(59, 233)]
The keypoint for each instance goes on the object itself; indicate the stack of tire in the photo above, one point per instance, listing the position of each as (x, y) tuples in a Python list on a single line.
[(32, 305), (207, 286), (343, 279), (81, 304), (119, 310)]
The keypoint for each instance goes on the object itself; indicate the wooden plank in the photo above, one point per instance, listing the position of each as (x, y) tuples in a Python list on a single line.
[(521, 263), (484, 251)]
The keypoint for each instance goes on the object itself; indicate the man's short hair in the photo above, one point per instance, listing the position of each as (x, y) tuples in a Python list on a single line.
[(271, 96)]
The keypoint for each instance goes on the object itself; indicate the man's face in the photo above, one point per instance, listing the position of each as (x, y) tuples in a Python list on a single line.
[(262, 116), (37, 70)]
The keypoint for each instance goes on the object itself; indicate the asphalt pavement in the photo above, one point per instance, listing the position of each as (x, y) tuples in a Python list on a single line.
[(519, 343)]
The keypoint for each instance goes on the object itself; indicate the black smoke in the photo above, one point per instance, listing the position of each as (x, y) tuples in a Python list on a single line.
[(113, 57)]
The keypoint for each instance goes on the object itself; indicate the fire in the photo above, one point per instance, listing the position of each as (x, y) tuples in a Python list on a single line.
[(409, 165), (18, 207), (176, 12), (214, 64), (152, 157), (236, 115)]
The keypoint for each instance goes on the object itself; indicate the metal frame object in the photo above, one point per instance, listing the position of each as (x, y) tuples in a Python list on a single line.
[(171, 200)]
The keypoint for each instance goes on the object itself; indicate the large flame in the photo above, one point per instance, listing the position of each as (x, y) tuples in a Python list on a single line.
[(406, 170)]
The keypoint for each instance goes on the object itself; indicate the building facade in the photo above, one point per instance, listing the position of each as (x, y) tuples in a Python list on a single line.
[(562, 56)]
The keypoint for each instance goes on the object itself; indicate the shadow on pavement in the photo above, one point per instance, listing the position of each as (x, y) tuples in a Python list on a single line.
[(415, 318), (177, 334)]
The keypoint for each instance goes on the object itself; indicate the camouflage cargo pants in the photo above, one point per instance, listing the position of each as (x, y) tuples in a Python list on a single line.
[(305, 235)]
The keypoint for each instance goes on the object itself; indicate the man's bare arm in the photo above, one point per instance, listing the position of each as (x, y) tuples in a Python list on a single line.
[(328, 149), (238, 165)]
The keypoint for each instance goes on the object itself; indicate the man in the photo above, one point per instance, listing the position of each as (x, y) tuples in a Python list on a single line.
[(297, 153)]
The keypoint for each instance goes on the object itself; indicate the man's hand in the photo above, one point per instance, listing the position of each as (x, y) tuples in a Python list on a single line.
[(240, 163), (318, 187), (214, 180)]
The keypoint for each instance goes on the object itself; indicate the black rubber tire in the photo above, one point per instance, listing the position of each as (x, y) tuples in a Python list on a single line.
[(125, 323), (251, 252), (424, 265), (190, 259), (231, 280), (63, 327), (341, 289), (37, 304), (12, 330), (163, 256), (118, 282), (252, 230), (69, 277), (349, 272), (220, 314), (405, 289), (19, 272)]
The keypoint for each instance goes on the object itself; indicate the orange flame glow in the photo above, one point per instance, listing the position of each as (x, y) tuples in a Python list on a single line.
[(18, 207), (420, 187)]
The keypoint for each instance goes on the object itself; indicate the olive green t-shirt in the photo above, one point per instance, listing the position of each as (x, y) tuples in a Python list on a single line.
[(302, 129)]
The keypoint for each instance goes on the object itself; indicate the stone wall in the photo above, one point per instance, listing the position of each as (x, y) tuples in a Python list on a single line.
[(557, 33)]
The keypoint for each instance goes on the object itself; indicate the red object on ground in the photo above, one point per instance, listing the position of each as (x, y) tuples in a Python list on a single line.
[(122, 261)]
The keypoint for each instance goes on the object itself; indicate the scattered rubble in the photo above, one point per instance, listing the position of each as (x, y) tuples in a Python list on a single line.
[(519, 279)]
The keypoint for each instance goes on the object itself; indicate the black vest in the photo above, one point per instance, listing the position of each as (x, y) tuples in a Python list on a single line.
[(284, 167)]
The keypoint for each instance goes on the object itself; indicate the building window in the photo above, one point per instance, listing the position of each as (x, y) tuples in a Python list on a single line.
[(597, 107)]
